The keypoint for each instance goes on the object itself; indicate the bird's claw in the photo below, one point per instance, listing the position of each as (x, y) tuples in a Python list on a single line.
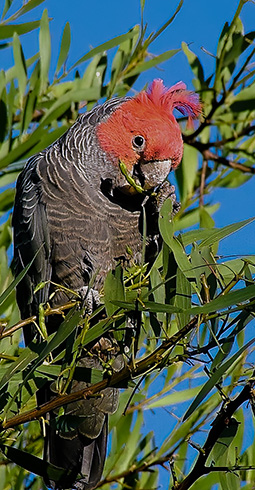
[(166, 191), (90, 298)]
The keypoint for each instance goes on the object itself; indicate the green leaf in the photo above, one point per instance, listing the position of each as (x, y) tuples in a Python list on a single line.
[(206, 221), (113, 289), (70, 322), (64, 102), (195, 64), (148, 306), (28, 355), (8, 31), (7, 5), (182, 298), (142, 3), (107, 45), (172, 398), (32, 463), (186, 173), (146, 65), (47, 139), (244, 100), (192, 217), (45, 51), (30, 106), (39, 351), (89, 75), (16, 281), (209, 385), (162, 29), (166, 231), (234, 179), (21, 150), (208, 237), (6, 200), (225, 301), (20, 66), (219, 234), (223, 442), (64, 47), (30, 5), (101, 327), (11, 73)]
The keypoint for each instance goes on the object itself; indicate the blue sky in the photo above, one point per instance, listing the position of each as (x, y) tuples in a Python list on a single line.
[(200, 23)]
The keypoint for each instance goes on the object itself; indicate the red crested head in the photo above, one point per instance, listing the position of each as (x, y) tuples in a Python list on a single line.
[(144, 129)]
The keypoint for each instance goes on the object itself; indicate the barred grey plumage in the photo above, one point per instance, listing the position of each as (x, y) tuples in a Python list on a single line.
[(73, 209)]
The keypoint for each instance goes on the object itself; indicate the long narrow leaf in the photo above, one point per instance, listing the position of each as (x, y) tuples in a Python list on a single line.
[(30, 5), (16, 281), (7, 32), (146, 65), (224, 232), (107, 45), (32, 464), (64, 47), (163, 28), (226, 301), (45, 50), (209, 236), (209, 385)]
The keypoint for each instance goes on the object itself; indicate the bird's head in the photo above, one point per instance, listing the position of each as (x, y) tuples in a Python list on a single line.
[(144, 134)]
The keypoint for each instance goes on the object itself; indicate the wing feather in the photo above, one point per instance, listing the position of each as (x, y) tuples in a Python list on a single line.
[(31, 238)]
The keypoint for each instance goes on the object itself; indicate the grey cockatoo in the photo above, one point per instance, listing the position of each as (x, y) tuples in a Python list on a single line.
[(76, 210)]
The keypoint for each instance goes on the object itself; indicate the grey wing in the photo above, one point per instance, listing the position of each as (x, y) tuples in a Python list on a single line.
[(31, 239)]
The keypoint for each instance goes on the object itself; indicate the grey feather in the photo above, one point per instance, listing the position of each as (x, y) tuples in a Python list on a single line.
[(69, 211)]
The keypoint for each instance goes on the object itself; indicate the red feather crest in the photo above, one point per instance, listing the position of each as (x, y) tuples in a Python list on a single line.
[(175, 97)]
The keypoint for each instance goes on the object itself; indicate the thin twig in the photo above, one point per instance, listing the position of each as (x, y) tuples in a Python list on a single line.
[(220, 423), (202, 183), (23, 323), (155, 360)]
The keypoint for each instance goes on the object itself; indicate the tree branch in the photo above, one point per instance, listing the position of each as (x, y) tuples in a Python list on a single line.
[(155, 360), (209, 155), (221, 422), (32, 319)]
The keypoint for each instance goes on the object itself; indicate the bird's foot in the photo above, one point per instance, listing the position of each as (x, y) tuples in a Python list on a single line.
[(166, 191), (90, 298)]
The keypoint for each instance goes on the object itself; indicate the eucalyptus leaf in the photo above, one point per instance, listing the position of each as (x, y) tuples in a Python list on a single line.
[(64, 47), (27, 7), (213, 380), (146, 65), (113, 289), (32, 463), (107, 45), (7, 31), (20, 66), (45, 51)]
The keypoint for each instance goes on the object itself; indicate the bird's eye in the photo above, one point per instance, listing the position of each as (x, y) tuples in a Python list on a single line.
[(138, 142)]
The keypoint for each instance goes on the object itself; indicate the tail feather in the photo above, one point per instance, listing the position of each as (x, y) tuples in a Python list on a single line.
[(81, 457)]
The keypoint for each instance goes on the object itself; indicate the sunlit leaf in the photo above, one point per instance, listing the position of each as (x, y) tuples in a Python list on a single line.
[(186, 173), (113, 289), (213, 380), (208, 236), (7, 31), (45, 51), (27, 7), (195, 65), (146, 65), (64, 47), (20, 66), (163, 28), (107, 45)]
